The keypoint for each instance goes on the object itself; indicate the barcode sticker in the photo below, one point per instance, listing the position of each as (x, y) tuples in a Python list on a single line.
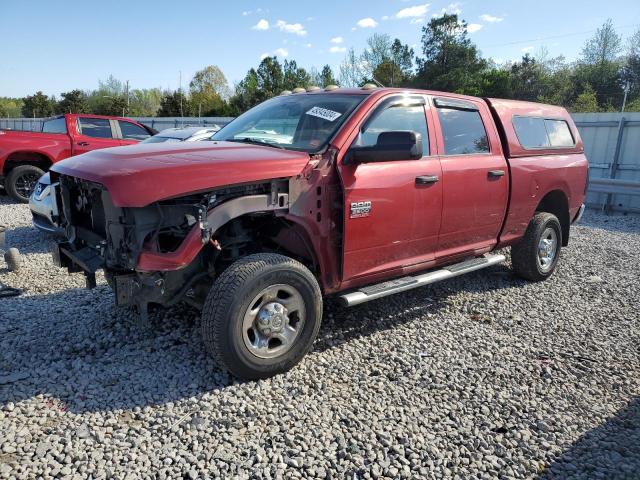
[(324, 113)]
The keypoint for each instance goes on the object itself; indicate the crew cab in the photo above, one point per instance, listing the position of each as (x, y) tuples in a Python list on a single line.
[(355, 193), (26, 156)]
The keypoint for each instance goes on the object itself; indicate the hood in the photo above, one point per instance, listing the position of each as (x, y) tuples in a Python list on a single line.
[(138, 175)]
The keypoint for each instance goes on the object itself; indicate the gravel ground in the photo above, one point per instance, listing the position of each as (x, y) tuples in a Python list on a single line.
[(482, 376)]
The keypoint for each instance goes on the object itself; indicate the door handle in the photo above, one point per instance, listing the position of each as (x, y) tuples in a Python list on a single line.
[(426, 179), (496, 173), (83, 144)]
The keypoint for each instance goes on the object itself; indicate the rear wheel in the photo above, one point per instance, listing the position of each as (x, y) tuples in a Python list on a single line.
[(262, 315), (21, 181), (536, 256)]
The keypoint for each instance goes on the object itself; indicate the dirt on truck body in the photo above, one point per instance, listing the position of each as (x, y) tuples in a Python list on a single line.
[(358, 193)]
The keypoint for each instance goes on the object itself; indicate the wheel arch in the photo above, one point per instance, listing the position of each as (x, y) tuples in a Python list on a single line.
[(556, 202), (26, 157)]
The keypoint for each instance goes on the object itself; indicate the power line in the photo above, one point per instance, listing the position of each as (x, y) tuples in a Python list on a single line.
[(552, 37)]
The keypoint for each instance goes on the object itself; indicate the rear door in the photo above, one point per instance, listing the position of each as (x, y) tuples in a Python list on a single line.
[(131, 133), (475, 176), (94, 133), (392, 208)]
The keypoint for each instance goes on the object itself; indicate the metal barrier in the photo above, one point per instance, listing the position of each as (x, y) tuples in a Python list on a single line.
[(613, 186)]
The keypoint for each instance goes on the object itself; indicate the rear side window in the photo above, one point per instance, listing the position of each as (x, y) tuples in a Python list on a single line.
[(396, 118), (537, 132), (531, 132), (463, 131), (131, 131), (55, 125), (95, 127), (559, 133)]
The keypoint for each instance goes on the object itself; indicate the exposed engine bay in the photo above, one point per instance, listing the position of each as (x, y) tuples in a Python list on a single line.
[(229, 222)]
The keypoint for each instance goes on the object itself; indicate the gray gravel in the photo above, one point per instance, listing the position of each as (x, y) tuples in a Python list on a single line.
[(481, 376)]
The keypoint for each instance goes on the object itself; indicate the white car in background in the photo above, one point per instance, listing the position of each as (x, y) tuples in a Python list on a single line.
[(40, 201), (183, 134)]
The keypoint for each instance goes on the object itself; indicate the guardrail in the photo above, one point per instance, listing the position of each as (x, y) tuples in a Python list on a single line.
[(614, 186)]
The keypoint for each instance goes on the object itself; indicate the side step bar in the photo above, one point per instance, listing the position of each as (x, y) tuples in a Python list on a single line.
[(403, 284)]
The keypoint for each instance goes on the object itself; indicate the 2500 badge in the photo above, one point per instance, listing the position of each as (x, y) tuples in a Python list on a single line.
[(360, 209)]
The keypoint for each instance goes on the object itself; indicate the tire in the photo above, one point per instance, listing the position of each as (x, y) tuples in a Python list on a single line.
[(19, 180), (262, 315), (532, 258)]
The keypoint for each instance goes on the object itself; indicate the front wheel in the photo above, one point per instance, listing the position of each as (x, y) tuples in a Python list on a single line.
[(536, 256), (262, 315), (21, 181)]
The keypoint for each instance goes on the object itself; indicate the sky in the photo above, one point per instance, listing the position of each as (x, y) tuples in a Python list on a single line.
[(56, 46)]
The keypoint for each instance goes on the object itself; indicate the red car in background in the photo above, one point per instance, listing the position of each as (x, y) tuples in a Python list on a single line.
[(26, 156)]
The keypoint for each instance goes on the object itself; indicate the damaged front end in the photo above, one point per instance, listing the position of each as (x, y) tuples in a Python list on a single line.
[(162, 253)]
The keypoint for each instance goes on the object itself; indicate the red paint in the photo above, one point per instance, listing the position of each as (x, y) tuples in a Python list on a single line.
[(138, 175), (410, 227), (54, 147)]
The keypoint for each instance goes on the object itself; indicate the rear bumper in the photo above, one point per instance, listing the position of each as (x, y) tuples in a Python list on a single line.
[(579, 214)]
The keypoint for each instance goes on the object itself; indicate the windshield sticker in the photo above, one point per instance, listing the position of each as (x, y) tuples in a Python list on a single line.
[(324, 113)]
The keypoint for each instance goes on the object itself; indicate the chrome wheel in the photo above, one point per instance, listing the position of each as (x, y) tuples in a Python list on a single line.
[(273, 321), (25, 184), (547, 249)]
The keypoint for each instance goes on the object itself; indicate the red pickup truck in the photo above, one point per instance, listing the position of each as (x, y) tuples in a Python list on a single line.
[(358, 193), (25, 156)]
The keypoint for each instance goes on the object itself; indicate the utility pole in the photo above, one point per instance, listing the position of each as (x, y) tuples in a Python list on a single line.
[(127, 90), (626, 91), (180, 95)]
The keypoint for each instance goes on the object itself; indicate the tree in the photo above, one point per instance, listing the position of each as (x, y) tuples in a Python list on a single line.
[(38, 105), (74, 101), (208, 90), (377, 52), (326, 77), (604, 46), (10, 107), (352, 71), (631, 70), (144, 102), (294, 76), (586, 101), (113, 106), (600, 66), (173, 104), (451, 62), (270, 79)]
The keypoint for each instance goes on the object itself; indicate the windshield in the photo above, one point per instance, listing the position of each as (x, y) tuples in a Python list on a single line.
[(296, 122), (158, 139)]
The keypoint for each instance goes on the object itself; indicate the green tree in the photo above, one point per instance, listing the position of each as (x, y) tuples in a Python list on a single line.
[(586, 101), (10, 107), (174, 104), (600, 66), (451, 61), (326, 77), (208, 89), (391, 62), (270, 79), (74, 101), (144, 102), (631, 69), (294, 76), (38, 105)]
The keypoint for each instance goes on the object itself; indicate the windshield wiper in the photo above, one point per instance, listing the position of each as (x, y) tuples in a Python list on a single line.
[(255, 142)]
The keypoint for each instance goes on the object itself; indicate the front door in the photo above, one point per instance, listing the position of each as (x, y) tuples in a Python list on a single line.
[(93, 133), (392, 208), (475, 177)]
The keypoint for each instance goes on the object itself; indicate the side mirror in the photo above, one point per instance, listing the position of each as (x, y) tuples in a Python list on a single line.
[(393, 145)]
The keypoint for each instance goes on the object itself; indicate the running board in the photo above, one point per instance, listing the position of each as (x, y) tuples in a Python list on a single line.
[(403, 284)]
